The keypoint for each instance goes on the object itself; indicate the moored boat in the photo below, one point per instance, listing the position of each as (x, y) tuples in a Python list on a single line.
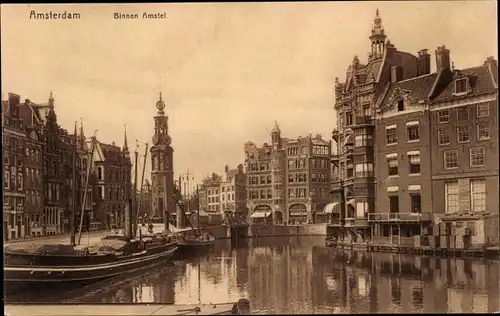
[(194, 242), (86, 263)]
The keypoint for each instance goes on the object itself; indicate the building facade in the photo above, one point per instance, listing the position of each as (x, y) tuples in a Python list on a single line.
[(162, 175), (355, 99), (212, 186), (290, 176), (112, 173), (14, 144), (233, 193), (437, 155), (146, 203)]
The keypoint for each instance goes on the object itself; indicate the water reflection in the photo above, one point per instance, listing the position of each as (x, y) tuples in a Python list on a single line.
[(300, 275)]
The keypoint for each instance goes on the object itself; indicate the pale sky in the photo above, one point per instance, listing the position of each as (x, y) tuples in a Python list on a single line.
[(226, 70)]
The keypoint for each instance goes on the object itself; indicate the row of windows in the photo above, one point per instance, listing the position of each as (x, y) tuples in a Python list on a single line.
[(477, 196), (52, 192), (11, 182), (476, 158), (297, 193), (33, 154), (296, 163), (415, 203), (413, 164), (33, 175), (320, 192), (227, 189), (463, 133), (113, 193), (33, 197), (322, 177), (321, 150), (412, 133), (320, 163), (463, 113), (113, 171), (263, 180)]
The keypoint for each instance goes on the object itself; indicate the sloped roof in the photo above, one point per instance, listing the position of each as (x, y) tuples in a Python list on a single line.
[(480, 81), (419, 88)]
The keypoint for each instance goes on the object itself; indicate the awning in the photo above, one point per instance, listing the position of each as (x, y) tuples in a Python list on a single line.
[(329, 208), (348, 139), (260, 214), (351, 202)]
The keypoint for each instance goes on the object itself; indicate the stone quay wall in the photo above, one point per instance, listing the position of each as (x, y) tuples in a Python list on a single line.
[(253, 231)]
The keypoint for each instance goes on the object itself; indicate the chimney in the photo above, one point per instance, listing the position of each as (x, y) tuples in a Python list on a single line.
[(226, 169), (14, 99), (442, 58), (423, 63), (396, 73), (491, 61)]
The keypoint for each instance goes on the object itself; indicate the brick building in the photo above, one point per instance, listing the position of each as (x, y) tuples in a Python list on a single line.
[(233, 192), (212, 188), (354, 190), (33, 182), (436, 154), (290, 176), (14, 140), (112, 170)]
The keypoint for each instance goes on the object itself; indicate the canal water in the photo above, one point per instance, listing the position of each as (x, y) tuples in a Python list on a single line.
[(301, 275)]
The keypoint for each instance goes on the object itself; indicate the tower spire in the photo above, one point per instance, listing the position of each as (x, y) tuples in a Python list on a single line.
[(51, 98), (125, 145), (377, 37)]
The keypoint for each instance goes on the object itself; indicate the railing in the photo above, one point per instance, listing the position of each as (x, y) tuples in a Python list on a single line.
[(398, 217), (364, 120), (334, 157)]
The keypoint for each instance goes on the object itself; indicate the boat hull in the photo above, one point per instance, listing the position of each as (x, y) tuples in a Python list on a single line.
[(186, 250), (15, 275)]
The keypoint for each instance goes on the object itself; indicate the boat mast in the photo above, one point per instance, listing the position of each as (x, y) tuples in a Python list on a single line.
[(141, 189), (73, 211), (89, 169), (134, 212), (198, 201)]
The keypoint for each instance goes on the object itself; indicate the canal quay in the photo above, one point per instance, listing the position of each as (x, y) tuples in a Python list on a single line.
[(300, 275)]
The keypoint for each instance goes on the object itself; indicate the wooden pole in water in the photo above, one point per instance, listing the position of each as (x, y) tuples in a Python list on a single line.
[(141, 188)]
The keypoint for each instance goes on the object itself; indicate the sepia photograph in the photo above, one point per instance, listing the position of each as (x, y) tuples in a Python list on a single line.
[(250, 158)]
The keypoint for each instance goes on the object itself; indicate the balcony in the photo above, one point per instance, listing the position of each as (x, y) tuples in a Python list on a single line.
[(399, 217), (366, 120), (361, 222), (334, 159)]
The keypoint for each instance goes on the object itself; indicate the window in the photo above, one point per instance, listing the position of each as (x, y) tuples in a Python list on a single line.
[(392, 165), (461, 85), (363, 140), (477, 156), (401, 105), (443, 136), (463, 134), (414, 163), (20, 181), (463, 114), (291, 193), (415, 203), (394, 204), (391, 137), (483, 131), (413, 132), (478, 195), (6, 179), (451, 196), (483, 110), (348, 118), (443, 116), (364, 170), (451, 159), (99, 173)]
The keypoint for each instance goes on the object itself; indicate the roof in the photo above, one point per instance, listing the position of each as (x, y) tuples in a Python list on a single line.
[(418, 88), (480, 82)]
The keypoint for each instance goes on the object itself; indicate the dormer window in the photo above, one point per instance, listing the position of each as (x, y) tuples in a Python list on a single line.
[(401, 105), (461, 86)]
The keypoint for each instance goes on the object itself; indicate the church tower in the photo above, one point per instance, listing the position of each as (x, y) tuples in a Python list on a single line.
[(162, 175), (377, 38)]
